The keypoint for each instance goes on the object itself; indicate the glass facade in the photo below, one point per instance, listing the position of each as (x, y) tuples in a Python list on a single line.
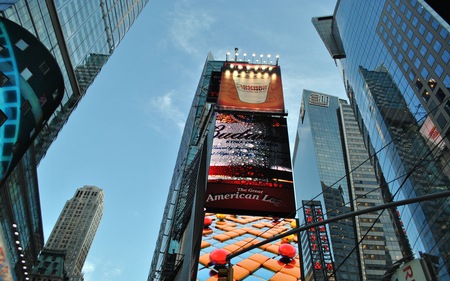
[(81, 36), (396, 74), (329, 141)]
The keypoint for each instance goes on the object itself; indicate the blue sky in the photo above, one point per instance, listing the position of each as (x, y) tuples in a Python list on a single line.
[(124, 135)]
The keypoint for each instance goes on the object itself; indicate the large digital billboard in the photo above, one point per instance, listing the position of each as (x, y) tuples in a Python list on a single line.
[(278, 260), (250, 167), (31, 88), (250, 87)]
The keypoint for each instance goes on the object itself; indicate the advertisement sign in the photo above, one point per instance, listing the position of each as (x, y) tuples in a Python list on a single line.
[(6, 273), (224, 234), (31, 88), (318, 242), (250, 169), (431, 133), (251, 87), (410, 271)]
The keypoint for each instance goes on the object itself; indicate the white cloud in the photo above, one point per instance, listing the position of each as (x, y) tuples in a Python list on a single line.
[(189, 26), (100, 270), (163, 109)]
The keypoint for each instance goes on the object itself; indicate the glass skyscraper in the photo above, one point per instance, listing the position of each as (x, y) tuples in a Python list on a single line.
[(331, 166), (81, 35), (394, 57)]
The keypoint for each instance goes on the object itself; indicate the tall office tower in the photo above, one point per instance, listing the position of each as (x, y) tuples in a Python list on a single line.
[(394, 60), (232, 184), (81, 36), (76, 227), (334, 177)]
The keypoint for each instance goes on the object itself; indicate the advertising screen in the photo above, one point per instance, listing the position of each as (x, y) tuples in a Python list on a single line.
[(31, 88), (250, 168), (251, 87), (224, 234)]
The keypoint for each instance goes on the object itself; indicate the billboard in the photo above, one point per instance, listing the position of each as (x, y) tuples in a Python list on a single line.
[(250, 87), (6, 270), (250, 168), (31, 88), (278, 260)]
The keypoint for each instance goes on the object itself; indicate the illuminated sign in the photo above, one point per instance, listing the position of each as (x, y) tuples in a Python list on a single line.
[(225, 233), (250, 169), (6, 273), (318, 242), (431, 133), (251, 87), (31, 88)]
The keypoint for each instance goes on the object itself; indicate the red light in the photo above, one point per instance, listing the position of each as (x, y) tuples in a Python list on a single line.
[(317, 266), (330, 266)]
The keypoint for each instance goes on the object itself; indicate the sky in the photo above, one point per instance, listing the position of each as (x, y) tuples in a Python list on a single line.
[(124, 135)]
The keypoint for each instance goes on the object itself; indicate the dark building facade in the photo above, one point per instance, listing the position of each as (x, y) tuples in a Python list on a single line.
[(394, 60), (81, 36)]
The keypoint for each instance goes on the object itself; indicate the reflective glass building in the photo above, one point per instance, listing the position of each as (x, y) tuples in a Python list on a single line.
[(331, 165), (81, 36), (394, 56)]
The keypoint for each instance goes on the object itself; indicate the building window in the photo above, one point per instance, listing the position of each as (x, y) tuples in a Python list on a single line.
[(422, 29), (445, 56), (429, 37), (427, 16), (417, 63), (435, 24), (409, 34), (424, 73), (410, 54), (443, 33), (416, 42), (437, 46), (430, 60), (438, 70), (423, 50), (408, 14)]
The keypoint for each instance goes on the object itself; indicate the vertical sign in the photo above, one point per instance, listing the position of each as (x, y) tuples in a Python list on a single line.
[(318, 241)]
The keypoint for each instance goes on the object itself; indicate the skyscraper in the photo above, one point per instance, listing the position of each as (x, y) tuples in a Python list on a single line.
[(81, 36), (232, 184), (76, 227), (394, 60), (331, 167)]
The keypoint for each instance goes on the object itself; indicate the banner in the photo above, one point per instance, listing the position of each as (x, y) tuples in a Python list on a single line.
[(250, 169), (250, 87)]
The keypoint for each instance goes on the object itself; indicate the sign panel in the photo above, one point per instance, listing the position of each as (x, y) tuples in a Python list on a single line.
[(251, 87), (31, 88), (278, 260), (250, 169)]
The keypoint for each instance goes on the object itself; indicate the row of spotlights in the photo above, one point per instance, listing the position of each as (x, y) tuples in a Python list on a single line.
[(20, 249)]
